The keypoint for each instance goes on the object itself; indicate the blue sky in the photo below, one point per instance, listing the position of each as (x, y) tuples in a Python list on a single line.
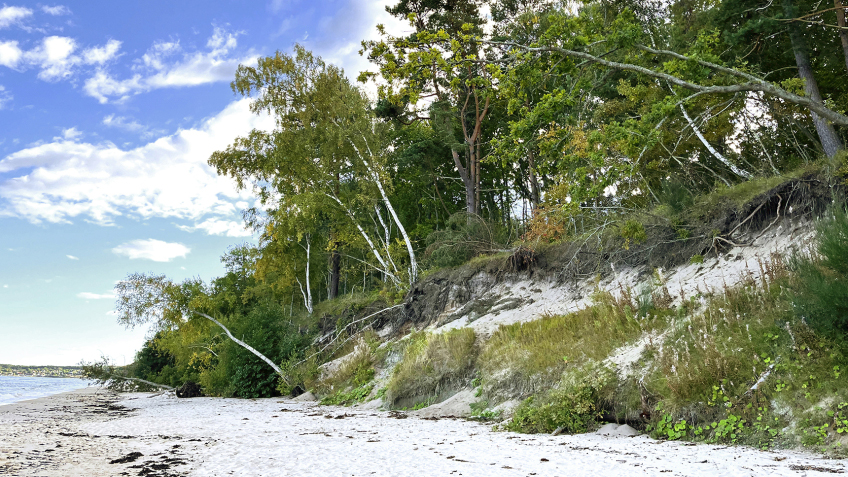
[(108, 113)]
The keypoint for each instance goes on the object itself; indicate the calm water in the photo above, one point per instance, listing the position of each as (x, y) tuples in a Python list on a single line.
[(21, 388)]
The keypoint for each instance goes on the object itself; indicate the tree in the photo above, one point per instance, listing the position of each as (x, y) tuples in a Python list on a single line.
[(433, 75), (153, 299), (326, 149)]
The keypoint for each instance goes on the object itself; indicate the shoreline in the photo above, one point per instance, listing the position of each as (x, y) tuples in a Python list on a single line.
[(30, 393), (95, 432)]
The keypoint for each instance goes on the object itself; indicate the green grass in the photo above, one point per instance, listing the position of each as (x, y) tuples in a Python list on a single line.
[(432, 362), (524, 358)]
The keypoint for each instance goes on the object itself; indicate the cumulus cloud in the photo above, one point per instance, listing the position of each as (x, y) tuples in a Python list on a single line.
[(217, 226), (12, 15), (10, 54), (165, 65), (56, 10), (152, 249), (56, 56), (72, 257), (167, 177), (96, 296), (102, 54)]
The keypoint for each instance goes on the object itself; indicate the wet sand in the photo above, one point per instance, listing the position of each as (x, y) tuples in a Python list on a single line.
[(98, 433)]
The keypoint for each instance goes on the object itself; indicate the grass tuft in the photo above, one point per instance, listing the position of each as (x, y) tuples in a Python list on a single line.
[(431, 363)]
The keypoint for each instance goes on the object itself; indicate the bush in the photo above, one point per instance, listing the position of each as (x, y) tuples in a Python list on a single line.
[(821, 291), (464, 237), (431, 362), (573, 406), (267, 330)]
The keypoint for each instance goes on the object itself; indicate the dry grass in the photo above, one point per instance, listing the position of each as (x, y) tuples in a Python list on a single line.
[(432, 362), (730, 344), (524, 358)]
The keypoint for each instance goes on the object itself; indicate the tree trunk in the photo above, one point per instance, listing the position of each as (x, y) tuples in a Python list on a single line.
[(827, 134), (843, 33), (467, 181), (335, 268), (534, 183)]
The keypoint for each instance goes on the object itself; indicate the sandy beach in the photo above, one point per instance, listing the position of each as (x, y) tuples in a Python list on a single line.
[(94, 432)]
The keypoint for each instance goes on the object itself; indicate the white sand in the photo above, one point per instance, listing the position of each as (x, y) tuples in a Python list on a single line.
[(538, 298), (272, 437)]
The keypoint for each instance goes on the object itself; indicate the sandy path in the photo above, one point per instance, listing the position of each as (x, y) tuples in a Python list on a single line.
[(80, 433)]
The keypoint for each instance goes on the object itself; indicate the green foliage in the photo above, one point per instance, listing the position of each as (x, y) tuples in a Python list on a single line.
[(528, 357), (347, 398), (633, 232), (431, 363), (463, 238), (821, 291), (574, 405), (267, 329), (150, 361)]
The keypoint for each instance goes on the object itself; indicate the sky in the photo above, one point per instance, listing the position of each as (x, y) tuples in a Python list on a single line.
[(108, 113)]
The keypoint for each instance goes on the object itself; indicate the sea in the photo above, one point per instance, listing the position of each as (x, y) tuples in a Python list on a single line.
[(21, 388)]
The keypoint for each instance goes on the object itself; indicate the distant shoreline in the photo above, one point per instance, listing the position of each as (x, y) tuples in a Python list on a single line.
[(41, 371)]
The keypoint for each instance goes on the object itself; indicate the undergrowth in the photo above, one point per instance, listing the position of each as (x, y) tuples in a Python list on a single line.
[(432, 363), (524, 358)]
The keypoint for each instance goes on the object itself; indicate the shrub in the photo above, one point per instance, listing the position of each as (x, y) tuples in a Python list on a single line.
[(464, 237), (573, 406), (821, 291), (267, 330), (432, 362)]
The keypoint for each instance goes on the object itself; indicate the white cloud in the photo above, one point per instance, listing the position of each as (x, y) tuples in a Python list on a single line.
[(102, 54), (168, 177), (70, 134), (54, 57), (96, 296), (12, 15), (56, 10), (10, 54), (157, 68), (72, 257), (152, 249), (217, 226), (340, 35), (5, 97)]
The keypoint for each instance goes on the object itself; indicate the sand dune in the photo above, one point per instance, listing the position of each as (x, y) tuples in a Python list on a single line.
[(81, 433)]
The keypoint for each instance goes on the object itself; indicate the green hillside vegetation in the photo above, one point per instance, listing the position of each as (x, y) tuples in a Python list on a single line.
[(552, 140)]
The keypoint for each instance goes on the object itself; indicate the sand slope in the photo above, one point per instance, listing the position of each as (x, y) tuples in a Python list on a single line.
[(83, 432)]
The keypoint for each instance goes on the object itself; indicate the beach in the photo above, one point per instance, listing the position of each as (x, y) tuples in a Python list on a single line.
[(94, 432)]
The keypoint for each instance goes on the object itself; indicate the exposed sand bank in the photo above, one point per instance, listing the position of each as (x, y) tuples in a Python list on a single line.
[(80, 433)]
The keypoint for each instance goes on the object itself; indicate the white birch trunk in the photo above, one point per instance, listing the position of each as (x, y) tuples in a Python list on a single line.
[(713, 151), (367, 238), (413, 272), (244, 345), (307, 294)]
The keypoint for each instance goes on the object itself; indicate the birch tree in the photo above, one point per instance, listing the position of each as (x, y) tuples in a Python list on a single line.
[(325, 143)]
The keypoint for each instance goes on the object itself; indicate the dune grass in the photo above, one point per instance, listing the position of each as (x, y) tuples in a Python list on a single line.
[(432, 363), (523, 358)]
